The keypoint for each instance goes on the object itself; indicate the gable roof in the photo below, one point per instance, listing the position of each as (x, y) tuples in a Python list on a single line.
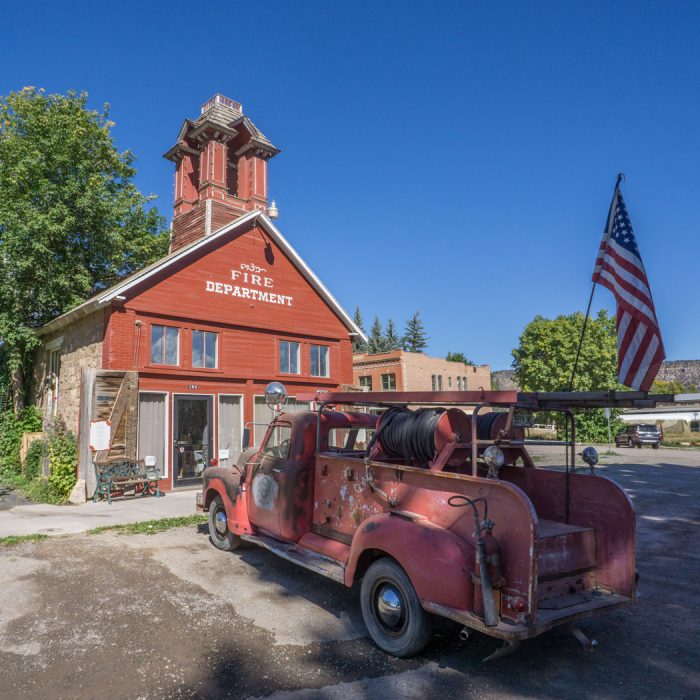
[(106, 296)]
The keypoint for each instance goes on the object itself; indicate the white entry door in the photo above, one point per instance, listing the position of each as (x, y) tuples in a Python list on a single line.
[(230, 429)]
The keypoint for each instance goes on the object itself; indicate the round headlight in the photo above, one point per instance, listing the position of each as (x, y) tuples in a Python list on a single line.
[(493, 456), (275, 394)]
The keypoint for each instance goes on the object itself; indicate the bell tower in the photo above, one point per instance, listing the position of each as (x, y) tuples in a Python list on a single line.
[(220, 170)]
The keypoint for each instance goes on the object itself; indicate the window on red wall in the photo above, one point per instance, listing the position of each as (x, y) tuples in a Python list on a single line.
[(319, 361), (289, 357), (205, 349), (165, 345)]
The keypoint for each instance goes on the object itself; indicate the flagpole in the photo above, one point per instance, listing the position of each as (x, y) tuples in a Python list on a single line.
[(620, 177)]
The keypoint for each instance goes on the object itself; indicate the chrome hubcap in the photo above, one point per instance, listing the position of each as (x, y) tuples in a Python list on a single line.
[(389, 606), (220, 522)]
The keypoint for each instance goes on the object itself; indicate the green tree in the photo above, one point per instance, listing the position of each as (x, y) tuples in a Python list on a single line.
[(377, 339), (359, 345), (459, 357), (71, 220), (545, 357), (673, 387), (415, 338), (393, 340)]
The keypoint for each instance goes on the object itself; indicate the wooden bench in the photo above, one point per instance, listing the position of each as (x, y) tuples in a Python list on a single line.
[(118, 473)]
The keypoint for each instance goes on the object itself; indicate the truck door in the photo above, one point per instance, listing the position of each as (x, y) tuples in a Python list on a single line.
[(267, 482)]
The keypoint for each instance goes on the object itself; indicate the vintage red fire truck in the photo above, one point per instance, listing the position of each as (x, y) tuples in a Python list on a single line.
[(438, 510)]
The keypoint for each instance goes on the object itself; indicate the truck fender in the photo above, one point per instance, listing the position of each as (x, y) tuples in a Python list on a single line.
[(438, 562), (224, 484)]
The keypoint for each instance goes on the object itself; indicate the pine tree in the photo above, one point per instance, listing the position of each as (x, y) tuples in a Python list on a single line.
[(415, 338), (359, 345), (377, 339), (393, 341)]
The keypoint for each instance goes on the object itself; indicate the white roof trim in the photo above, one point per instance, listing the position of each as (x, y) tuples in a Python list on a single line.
[(137, 278)]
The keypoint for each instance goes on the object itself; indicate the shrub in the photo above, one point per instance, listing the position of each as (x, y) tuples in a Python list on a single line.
[(12, 427), (34, 460), (63, 459)]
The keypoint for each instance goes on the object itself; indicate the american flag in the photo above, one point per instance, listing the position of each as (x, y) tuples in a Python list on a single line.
[(619, 267)]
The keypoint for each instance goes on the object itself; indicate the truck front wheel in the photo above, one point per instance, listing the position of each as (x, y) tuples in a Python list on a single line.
[(392, 612), (220, 535)]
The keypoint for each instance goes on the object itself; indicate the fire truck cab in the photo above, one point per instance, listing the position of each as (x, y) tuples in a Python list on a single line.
[(439, 511)]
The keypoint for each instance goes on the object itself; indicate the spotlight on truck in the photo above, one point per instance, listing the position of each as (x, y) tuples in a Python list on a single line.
[(275, 396), (494, 458)]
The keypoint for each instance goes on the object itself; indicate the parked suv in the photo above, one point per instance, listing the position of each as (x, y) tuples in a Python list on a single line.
[(638, 435)]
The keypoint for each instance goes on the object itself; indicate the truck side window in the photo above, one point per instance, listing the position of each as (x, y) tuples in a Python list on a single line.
[(277, 442), (348, 440)]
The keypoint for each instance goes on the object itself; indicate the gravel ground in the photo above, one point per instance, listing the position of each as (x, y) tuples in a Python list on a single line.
[(168, 616)]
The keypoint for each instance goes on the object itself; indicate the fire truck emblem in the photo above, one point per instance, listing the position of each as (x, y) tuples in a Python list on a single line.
[(264, 491)]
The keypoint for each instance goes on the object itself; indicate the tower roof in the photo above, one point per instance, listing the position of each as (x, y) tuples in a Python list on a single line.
[(227, 115)]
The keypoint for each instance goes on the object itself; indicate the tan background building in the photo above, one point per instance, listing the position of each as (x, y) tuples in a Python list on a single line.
[(399, 370)]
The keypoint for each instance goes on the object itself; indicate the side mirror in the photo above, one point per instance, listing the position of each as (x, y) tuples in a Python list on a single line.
[(246, 438)]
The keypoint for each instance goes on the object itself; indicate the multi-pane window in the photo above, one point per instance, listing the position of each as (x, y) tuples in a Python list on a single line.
[(388, 382), (439, 382), (366, 382), (204, 349), (319, 361), (433, 382), (449, 382), (165, 344), (289, 357), (459, 383)]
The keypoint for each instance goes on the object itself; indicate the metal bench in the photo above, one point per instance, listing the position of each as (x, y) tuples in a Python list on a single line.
[(117, 473)]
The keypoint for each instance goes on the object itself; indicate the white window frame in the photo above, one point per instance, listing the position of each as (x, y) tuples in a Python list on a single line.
[(204, 349), (165, 345), (314, 346), (279, 365)]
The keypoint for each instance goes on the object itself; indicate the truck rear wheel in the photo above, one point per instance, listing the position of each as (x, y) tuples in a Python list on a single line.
[(392, 612), (220, 535)]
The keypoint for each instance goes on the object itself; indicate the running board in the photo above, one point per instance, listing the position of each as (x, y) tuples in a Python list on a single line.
[(313, 561)]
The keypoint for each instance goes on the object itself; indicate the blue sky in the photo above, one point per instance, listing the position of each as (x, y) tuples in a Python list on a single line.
[(453, 158)]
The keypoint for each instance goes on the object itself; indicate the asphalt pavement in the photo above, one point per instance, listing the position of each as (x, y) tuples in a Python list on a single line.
[(169, 616)]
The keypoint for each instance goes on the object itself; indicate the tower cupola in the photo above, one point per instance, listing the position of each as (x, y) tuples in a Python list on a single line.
[(220, 170)]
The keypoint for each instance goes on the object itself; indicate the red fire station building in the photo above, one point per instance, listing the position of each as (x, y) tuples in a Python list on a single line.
[(177, 356)]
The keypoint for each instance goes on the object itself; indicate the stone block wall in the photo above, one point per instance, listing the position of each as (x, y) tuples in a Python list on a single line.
[(81, 347)]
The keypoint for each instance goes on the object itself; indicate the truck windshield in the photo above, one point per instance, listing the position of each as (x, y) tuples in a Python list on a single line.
[(277, 442)]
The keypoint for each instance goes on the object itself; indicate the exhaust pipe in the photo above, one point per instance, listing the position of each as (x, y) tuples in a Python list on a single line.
[(464, 633)]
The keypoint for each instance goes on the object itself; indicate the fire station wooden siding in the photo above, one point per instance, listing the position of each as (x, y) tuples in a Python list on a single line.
[(249, 329)]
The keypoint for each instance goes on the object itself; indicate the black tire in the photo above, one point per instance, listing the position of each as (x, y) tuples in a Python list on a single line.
[(221, 537), (639, 446), (410, 632), (655, 446)]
